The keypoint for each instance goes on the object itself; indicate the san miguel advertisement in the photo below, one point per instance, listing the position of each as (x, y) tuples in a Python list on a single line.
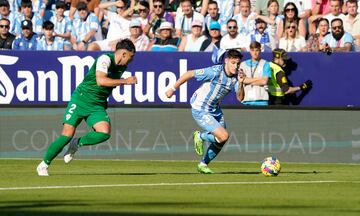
[(49, 78)]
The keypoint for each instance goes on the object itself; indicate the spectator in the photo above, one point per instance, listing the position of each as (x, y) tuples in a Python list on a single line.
[(139, 39), (257, 73), (27, 40), (260, 35), (272, 19), (183, 20), (352, 22), (278, 84), (245, 19), (92, 6), (226, 11), (234, 40), (335, 12), (38, 7), (320, 7), (28, 14), (292, 41), (338, 40), (192, 42), (304, 7), (62, 24), (214, 39), (263, 5), (6, 38), (313, 42), (213, 16), (157, 16), (143, 10), (290, 16), (48, 41), (118, 28), (6, 13), (84, 28), (165, 41)]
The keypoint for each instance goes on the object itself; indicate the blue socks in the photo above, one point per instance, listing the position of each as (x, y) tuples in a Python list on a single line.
[(212, 151)]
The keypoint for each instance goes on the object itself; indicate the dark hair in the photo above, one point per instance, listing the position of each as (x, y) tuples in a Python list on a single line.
[(48, 25), (231, 20), (234, 54), (352, 1), (337, 19), (271, 1), (213, 2), (255, 44), (126, 44), (4, 19), (4, 3), (26, 3), (161, 1), (145, 4)]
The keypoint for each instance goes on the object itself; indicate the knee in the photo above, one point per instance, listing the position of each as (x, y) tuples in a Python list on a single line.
[(223, 137), (104, 136)]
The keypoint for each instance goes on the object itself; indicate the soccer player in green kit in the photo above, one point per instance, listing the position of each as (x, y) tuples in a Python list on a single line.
[(89, 102)]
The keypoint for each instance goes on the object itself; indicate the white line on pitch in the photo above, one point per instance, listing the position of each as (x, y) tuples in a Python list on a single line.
[(172, 184)]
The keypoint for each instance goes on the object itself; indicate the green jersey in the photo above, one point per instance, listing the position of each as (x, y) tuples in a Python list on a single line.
[(88, 91)]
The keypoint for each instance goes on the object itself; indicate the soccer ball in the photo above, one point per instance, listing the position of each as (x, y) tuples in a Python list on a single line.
[(270, 166)]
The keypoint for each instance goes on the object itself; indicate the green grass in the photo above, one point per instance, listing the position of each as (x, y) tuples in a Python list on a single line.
[(291, 196)]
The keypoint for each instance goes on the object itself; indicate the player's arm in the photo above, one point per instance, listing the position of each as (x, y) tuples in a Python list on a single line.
[(240, 93), (102, 79), (184, 78)]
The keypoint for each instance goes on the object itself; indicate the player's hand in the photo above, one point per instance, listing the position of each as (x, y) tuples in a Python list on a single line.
[(306, 85), (241, 76), (169, 93), (131, 80)]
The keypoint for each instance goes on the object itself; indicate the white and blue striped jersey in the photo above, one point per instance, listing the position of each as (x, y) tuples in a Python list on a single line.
[(246, 27), (184, 23), (61, 26), (216, 85), (38, 6), (36, 20), (226, 10), (80, 28), (12, 18), (57, 44)]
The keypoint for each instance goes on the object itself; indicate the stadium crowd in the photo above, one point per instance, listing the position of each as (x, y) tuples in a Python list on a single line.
[(180, 25)]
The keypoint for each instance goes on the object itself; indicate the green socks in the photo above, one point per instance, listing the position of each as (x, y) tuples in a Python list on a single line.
[(55, 148), (93, 138)]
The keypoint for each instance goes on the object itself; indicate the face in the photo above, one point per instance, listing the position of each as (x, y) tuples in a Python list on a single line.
[(213, 10), (291, 29), (27, 11), (158, 8), (214, 33), (48, 32), (232, 28), (26, 32), (4, 27), (352, 8), (186, 7), (82, 13), (232, 65), (125, 57), (335, 7), (143, 11), (255, 53), (4, 10), (60, 11), (165, 33), (196, 30), (135, 31), (337, 29), (261, 27), (323, 27), (281, 62), (273, 8), (290, 11), (245, 8)]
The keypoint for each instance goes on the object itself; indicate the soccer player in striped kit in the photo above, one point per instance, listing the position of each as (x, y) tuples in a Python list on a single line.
[(218, 81)]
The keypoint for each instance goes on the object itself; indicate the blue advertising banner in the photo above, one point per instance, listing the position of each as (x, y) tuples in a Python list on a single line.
[(48, 78)]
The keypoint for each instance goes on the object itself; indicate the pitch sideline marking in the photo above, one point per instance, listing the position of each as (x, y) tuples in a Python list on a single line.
[(171, 184)]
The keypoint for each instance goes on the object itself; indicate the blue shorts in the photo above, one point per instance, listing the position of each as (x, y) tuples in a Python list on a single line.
[(207, 121)]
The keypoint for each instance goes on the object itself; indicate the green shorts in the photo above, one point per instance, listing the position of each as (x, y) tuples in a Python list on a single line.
[(77, 110)]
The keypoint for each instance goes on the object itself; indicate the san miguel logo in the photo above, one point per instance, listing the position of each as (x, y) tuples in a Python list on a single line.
[(22, 81)]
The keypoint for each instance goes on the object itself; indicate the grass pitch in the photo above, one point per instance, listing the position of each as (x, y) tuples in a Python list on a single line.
[(108, 187)]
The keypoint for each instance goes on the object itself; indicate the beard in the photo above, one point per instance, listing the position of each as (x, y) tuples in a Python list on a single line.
[(338, 36)]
